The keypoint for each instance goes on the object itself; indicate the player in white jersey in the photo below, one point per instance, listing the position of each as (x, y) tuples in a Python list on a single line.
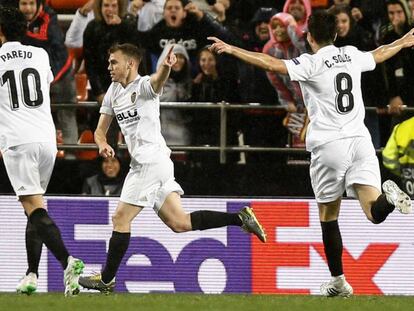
[(28, 141), (134, 102), (342, 154)]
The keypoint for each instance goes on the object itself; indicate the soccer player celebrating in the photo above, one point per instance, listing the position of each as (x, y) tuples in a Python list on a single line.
[(28, 140), (134, 101), (342, 154)]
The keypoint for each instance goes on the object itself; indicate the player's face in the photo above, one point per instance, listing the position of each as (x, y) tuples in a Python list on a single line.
[(343, 24), (28, 8), (179, 65), (297, 9), (396, 15), (208, 63), (109, 10), (279, 31), (118, 67), (111, 167), (262, 31), (174, 13)]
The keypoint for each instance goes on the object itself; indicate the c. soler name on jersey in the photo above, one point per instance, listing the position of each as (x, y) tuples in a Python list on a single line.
[(336, 59), (15, 54), (128, 116)]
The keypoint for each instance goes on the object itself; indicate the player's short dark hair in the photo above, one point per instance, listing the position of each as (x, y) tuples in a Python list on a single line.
[(127, 49), (12, 23), (322, 27)]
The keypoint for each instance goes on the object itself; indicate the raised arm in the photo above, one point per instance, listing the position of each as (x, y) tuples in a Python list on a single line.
[(260, 60), (105, 149), (161, 75), (385, 52)]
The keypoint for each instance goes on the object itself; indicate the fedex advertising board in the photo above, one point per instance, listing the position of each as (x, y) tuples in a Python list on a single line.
[(377, 258)]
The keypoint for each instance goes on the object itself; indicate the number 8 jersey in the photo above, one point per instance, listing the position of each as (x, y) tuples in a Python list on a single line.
[(330, 81), (25, 78)]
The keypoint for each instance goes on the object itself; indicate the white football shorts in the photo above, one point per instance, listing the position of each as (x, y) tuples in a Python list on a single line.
[(149, 184), (29, 167), (338, 165)]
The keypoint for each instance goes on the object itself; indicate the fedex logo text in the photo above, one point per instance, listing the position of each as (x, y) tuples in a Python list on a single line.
[(377, 258)]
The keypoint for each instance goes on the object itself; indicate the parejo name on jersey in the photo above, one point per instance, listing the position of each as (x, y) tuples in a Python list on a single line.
[(337, 59), (15, 54)]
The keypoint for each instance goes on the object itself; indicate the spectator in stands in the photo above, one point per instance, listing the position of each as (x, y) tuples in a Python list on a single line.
[(176, 89), (254, 87), (74, 34), (241, 12), (216, 8), (148, 12), (300, 10), (398, 154), (411, 5), (282, 46), (372, 82), (399, 69), (108, 181), (210, 85), (107, 28), (369, 14), (183, 23), (45, 32)]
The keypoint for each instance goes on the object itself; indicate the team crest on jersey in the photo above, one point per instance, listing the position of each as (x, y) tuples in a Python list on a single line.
[(133, 97)]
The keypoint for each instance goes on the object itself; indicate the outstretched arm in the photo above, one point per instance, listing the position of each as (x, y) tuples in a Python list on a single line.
[(161, 75), (385, 52), (260, 60)]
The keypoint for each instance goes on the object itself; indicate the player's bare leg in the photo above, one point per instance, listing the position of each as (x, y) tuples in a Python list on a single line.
[(174, 216), (332, 241), (377, 206), (118, 245), (367, 196)]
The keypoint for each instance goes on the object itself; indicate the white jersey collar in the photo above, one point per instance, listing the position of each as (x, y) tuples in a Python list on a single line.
[(326, 48), (10, 43)]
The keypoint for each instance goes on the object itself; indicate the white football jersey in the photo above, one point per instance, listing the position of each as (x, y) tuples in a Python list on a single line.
[(331, 86), (137, 110), (25, 78)]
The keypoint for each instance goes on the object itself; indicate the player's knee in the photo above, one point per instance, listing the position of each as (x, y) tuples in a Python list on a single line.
[(119, 219), (178, 226)]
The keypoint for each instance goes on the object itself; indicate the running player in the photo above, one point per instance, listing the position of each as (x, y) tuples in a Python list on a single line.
[(342, 154), (28, 139), (134, 101)]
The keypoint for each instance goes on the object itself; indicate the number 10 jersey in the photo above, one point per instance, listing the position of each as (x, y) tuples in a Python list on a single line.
[(330, 81), (25, 77)]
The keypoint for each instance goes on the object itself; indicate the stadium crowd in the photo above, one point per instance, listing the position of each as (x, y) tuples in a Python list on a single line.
[(275, 27)]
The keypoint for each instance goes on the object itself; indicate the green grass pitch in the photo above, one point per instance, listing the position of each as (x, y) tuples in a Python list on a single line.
[(193, 302)]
